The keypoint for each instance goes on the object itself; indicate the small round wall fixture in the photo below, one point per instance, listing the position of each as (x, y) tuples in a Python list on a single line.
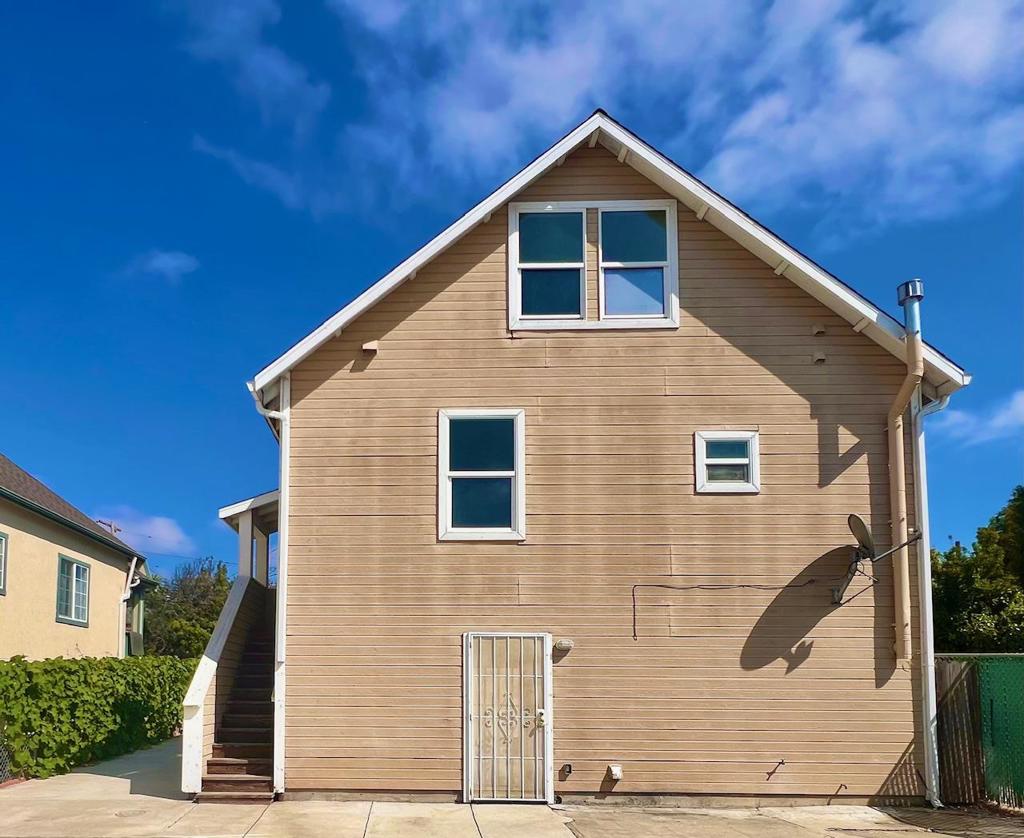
[(564, 644)]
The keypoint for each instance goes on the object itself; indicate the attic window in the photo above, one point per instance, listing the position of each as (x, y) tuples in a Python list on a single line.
[(636, 277), (634, 263), (551, 267)]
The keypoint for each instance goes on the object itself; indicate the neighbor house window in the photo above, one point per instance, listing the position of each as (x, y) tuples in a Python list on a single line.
[(72, 591), (637, 277), (727, 461), (481, 468), (635, 269), (3, 563)]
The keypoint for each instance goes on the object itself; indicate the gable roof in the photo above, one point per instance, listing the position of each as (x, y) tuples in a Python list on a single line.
[(20, 487), (863, 315)]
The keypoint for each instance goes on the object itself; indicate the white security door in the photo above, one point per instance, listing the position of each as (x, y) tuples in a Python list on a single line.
[(507, 706)]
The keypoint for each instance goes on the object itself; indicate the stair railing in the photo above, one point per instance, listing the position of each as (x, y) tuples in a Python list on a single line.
[(199, 703)]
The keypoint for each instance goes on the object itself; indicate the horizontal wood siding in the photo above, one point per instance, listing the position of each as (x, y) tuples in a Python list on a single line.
[(691, 690)]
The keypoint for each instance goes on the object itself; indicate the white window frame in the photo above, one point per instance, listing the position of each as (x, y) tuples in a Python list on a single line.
[(702, 461), (549, 321), (445, 530), (70, 618), (670, 272), (517, 321), (3, 563)]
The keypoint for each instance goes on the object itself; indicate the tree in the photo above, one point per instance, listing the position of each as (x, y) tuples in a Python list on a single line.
[(979, 593), (181, 613)]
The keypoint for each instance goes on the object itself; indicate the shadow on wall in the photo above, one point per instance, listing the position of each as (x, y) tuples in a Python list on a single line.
[(903, 782), (781, 631)]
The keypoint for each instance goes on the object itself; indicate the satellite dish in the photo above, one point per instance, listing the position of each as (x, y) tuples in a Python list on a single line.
[(865, 543)]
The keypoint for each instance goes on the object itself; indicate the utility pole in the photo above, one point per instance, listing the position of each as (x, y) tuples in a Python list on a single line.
[(110, 525)]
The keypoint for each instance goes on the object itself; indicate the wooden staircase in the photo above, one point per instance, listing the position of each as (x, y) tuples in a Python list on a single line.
[(241, 768)]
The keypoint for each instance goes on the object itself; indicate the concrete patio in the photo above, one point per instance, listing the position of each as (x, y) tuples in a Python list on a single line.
[(136, 796)]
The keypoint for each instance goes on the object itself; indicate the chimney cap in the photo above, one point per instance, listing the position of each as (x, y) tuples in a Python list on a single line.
[(912, 290)]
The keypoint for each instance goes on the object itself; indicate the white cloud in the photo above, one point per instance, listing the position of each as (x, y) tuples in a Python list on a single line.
[(865, 113), (231, 33), (1004, 421), (148, 533), (169, 265), (290, 187)]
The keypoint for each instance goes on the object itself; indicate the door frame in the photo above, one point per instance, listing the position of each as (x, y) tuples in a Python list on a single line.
[(467, 704)]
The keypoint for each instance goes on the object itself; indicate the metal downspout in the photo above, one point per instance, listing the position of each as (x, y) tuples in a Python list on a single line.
[(123, 607), (929, 703)]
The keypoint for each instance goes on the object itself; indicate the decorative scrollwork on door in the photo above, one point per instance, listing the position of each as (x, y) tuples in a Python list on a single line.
[(508, 717)]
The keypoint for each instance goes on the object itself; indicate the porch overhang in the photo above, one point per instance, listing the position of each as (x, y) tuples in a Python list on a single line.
[(255, 519), (264, 509)]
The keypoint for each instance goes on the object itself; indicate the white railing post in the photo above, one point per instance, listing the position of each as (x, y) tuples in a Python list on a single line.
[(245, 533), (262, 557)]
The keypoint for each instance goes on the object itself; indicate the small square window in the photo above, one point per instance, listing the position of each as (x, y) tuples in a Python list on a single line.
[(727, 462), (72, 591), (481, 464)]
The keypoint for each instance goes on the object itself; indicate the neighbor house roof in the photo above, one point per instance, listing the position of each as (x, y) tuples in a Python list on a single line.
[(20, 487), (863, 315)]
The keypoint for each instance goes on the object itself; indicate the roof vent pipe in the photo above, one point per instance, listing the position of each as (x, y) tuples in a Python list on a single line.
[(910, 295)]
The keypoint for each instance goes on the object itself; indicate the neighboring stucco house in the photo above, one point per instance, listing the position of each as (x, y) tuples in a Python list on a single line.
[(68, 588), (563, 511)]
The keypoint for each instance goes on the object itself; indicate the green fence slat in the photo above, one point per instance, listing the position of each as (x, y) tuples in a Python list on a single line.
[(1001, 693)]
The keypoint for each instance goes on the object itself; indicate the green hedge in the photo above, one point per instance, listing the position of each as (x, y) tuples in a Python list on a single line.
[(59, 713)]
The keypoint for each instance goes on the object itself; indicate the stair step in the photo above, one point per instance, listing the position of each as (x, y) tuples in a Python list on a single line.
[(251, 693), (245, 750), (239, 765), (253, 680), (234, 797), (251, 718), (233, 735), (250, 708), (237, 782)]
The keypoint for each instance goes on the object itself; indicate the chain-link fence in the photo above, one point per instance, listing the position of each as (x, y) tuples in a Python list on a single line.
[(981, 728), (6, 773)]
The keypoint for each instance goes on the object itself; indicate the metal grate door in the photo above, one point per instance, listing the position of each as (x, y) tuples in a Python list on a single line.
[(507, 706)]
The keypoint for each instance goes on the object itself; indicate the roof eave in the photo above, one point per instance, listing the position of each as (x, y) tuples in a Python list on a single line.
[(862, 314), (32, 506)]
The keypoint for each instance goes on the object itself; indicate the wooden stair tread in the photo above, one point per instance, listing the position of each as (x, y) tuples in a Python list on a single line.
[(235, 797)]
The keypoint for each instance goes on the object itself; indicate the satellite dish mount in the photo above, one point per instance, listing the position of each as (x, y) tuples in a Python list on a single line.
[(864, 551)]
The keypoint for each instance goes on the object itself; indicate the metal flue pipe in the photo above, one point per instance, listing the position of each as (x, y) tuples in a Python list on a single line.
[(910, 295)]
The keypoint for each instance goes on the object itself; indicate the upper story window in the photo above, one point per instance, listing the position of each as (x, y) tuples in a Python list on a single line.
[(3, 563), (552, 270), (481, 457), (727, 461), (636, 278), (635, 269), (72, 591)]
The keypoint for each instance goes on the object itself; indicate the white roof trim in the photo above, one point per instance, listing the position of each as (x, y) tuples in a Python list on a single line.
[(230, 511), (881, 327)]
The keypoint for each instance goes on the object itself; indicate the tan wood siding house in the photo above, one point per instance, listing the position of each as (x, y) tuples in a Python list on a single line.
[(690, 637)]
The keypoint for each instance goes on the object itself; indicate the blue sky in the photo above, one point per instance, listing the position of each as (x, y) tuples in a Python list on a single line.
[(192, 186)]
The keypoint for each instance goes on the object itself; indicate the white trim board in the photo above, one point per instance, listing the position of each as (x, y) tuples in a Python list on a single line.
[(249, 503), (885, 330)]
